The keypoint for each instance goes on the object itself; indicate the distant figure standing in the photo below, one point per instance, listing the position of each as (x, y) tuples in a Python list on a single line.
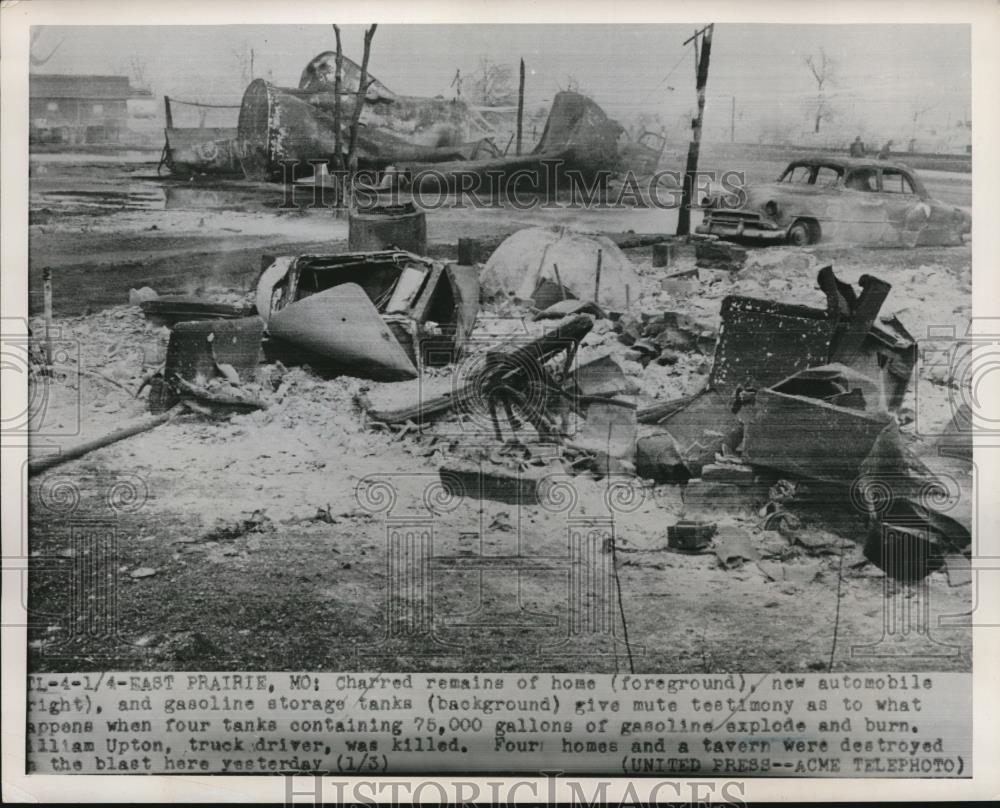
[(857, 147), (883, 153)]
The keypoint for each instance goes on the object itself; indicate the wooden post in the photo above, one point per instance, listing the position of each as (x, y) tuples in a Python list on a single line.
[(520, 107), (47, 296), (167, 112), (597, 277), (662, 254), (691, 169), (562, 289), (73, 452)]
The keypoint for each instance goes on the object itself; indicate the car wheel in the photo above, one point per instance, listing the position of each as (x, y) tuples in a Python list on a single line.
[(800, 234)]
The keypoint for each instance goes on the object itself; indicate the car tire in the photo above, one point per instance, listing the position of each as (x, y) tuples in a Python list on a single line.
[(800, 234)]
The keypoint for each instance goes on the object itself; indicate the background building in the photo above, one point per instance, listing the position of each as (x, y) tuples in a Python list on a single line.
[(80, 110)]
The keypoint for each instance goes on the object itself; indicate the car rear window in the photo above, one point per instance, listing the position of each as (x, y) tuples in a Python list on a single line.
[(828, 176), (896, 182), (862, 179)]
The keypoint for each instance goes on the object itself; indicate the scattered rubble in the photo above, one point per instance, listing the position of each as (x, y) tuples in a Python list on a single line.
[(714, 253), (573, 371)]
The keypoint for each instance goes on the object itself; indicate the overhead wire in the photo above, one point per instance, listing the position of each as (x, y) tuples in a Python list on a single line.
[(663, 80)]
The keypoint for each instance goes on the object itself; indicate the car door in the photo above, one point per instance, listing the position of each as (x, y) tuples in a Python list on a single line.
[(908, 213), (863, 217)]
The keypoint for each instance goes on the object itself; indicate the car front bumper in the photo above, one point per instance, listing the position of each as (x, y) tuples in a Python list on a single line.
[(741, 228)]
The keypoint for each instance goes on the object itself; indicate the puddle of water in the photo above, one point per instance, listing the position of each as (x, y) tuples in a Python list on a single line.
[(147, 197), (254, 198)]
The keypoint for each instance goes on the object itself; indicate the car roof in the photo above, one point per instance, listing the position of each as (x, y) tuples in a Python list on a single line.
[(848, 162)]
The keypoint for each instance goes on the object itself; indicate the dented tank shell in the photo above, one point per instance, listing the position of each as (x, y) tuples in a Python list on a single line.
[(379, 328), (280, 124)]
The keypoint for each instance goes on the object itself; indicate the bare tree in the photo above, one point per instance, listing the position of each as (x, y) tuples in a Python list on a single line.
[(493, 83), (38, 61), (338, 156), (134, 66), (359, 102), (824, 71)]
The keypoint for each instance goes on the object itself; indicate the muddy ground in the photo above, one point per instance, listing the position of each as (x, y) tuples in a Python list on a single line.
[(259, 541)]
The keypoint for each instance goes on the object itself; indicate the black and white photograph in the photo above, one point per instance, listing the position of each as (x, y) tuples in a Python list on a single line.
[(475, 397)]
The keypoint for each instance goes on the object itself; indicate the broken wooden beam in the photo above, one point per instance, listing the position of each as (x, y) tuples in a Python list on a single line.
[(74, 452)]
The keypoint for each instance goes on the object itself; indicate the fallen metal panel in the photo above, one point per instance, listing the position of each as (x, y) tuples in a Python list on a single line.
[(761, 342), (807, 437), (196, 348), (343, 326)]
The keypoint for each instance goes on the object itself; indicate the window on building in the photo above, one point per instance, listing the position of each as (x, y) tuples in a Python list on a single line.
[(52, 106), (98, 109)]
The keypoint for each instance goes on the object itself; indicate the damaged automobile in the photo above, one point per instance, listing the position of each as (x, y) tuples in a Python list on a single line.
[(831, 199)]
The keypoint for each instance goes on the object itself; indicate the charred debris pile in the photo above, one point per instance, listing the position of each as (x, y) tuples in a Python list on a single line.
[(544, 360)]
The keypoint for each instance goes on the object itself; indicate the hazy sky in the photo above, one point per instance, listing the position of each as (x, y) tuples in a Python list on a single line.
[(885, 74)]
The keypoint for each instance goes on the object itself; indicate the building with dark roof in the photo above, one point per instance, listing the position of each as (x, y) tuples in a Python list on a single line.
[(79, 110)]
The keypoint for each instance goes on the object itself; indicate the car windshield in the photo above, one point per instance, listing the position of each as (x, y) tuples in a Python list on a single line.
[(810, 174), (797, 174)]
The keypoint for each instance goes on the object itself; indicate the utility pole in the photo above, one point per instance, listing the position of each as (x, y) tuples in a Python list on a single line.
[(690, 171), (520, 107)]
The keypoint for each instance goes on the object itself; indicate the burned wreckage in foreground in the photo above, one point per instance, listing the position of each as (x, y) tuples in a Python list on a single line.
[(799, 407)]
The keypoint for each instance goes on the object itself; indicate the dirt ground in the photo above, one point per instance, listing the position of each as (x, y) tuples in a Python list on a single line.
[(259, 541)]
